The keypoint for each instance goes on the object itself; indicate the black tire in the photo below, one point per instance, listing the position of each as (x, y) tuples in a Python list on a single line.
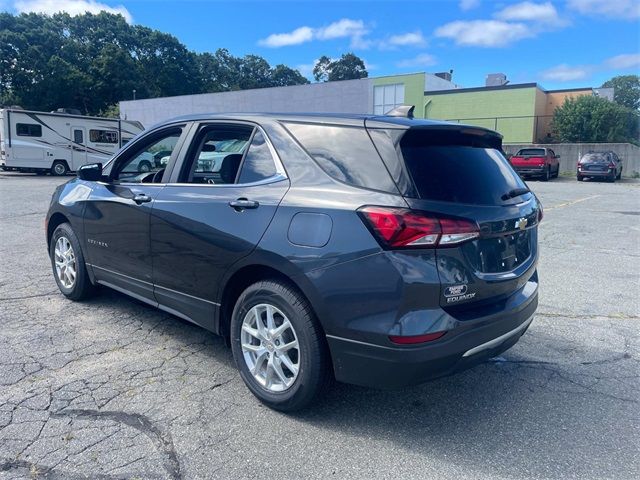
[(612, 178), (580, 178), (547, 174), (557, 174), (81, 287), (314, 373), (619, 176), (144, 167), (59, 168)]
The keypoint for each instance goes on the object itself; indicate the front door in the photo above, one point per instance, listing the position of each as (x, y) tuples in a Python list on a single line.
[(78, 147), (116, 217), (223, 199)]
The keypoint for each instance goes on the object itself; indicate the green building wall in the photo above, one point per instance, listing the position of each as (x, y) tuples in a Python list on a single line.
[(510, 111)]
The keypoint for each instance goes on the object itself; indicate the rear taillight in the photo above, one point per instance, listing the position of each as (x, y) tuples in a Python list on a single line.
[(612, 165), (404, 228)]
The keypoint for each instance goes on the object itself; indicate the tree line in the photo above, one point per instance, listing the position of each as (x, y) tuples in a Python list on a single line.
[(92, 61)]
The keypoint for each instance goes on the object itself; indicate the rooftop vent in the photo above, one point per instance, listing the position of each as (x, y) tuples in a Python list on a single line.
[(496, 80)]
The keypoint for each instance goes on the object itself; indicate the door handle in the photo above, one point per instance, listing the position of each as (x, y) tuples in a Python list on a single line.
[(242, 203), (141, 198)]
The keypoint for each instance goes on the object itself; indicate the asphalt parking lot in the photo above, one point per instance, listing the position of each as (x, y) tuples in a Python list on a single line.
[(112, 388)]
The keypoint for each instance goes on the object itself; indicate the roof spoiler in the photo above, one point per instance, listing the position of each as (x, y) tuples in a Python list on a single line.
[(402, 111)]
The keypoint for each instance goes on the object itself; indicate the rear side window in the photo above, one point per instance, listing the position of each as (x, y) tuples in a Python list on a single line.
[(103, 136), (29, 129), (345, 153), (450, 168), (258, 163)]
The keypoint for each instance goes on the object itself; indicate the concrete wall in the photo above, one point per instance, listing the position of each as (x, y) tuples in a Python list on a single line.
[(349, 96), (570, 153), (485, 108)]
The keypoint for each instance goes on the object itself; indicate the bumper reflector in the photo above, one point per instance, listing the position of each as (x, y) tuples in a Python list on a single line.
[(413, 339)]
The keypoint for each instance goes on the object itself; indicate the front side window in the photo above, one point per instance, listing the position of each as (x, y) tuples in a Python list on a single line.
[(29, 129), (103, 136), (152, 157)]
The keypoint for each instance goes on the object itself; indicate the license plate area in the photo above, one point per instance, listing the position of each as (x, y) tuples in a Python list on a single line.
[(499, 254)]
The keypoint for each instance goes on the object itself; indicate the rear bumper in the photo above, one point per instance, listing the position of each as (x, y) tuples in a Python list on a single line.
[(530, 171), (596, 173)]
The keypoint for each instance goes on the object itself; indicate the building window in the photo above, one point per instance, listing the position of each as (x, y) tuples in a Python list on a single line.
[(103, 136), (387, 97), (28, 130)]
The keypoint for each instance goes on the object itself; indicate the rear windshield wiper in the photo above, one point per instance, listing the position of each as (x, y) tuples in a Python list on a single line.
[(515, 192)]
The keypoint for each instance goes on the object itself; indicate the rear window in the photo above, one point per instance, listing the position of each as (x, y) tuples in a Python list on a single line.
[(345, 153), (595, 157), (456, 168), (531, 152)]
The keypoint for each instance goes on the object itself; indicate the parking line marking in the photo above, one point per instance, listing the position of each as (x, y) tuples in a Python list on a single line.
[(571, 203)]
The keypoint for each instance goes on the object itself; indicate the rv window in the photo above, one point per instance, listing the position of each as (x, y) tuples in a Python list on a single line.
[(103, 136), (28, 130), (78, 137)]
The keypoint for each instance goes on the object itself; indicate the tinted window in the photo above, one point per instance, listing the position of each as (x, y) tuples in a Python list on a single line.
[(531, 152), (594, 157), (29, 129), (142, 161), (461, 172), (103, 136), (345, 153), (216, 154), (78, 136), (258, 164)]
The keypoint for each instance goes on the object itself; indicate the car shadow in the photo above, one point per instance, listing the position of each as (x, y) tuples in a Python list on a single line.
[(513, 416)]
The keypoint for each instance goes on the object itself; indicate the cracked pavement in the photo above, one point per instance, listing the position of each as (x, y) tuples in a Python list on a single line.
[(111, 388)]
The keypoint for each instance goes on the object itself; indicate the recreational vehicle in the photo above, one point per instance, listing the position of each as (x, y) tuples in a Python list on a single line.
[(57, 143)]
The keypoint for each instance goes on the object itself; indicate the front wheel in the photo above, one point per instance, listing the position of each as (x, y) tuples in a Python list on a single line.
[(279, 347), (68, 264), (580, 178), (59, 168)]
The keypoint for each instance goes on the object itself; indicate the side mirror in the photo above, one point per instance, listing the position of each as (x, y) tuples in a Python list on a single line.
[(91, 172)]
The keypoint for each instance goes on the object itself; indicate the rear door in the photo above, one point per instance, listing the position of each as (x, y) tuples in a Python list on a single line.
[(213, 213), (464, 176)]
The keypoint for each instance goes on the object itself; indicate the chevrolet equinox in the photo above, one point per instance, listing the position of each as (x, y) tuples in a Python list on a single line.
[(376, 250)]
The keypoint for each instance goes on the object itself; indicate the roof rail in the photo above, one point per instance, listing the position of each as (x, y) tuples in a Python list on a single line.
[(402, 111)]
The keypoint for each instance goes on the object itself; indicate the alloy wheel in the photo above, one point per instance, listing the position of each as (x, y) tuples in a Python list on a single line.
[(270, 347), (65, 262)]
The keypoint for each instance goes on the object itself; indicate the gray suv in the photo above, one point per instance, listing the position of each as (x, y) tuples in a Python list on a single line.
[(376, 250)]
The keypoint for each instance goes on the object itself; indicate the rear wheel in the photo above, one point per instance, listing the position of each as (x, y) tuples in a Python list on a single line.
[(580, 178), (59, 168), (612, 178), (619, 175), (557, 174), (144, 167), (547, 175), (278, 346), (68, 264)]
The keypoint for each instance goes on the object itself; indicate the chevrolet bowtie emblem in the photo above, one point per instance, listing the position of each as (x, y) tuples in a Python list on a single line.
[(521, 223)]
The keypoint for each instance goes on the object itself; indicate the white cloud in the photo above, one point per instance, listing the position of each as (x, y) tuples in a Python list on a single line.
[(529, 11), (344, 28), (298, 36), (72, 7), (625, 9), (484, 33), (469, 4), (627, 60), (566, 73), (410, 39), (422, 60)]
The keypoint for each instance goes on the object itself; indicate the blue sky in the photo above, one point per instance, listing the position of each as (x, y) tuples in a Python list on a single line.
[(559, 44)]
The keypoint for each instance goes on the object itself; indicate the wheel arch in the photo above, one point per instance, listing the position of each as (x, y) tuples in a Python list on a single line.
[(250, 273), (54, 222)]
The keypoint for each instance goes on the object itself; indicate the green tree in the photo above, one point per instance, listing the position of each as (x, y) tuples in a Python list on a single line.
[(282, 76), (348, 67), (626, 90), (593, 119)]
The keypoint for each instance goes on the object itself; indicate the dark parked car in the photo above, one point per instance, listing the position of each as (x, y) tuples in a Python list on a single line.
[(542, 163), (380, 251), (605, 165)]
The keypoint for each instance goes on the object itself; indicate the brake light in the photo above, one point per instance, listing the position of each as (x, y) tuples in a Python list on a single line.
[(404, 228), (612, 165), (413, 339)]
